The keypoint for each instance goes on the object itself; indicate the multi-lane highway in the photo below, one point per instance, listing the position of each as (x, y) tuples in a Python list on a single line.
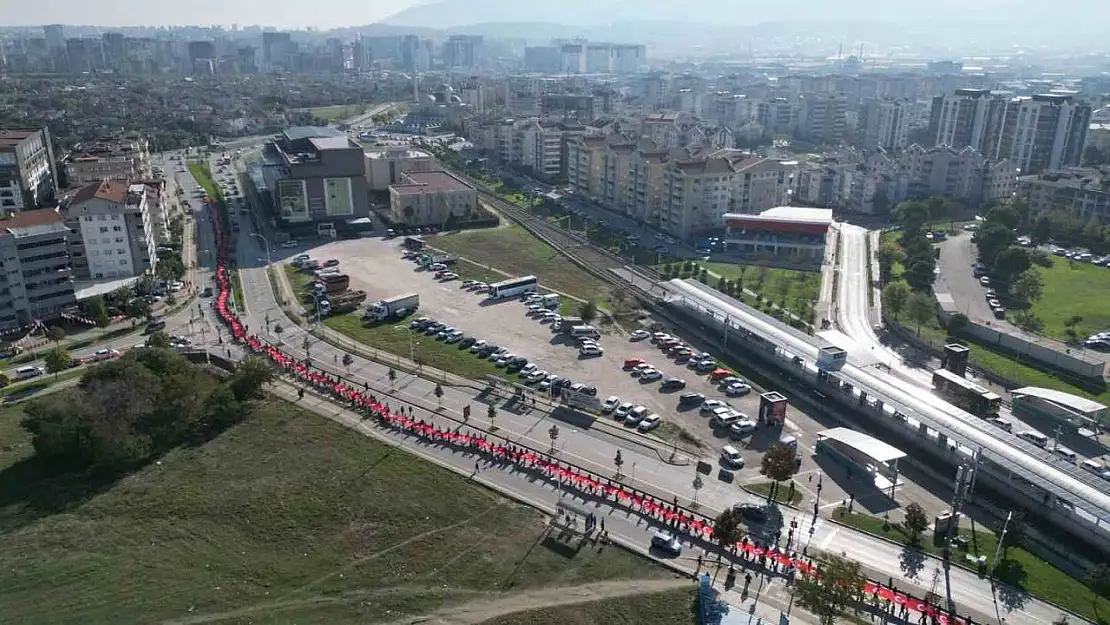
[(594, 448)]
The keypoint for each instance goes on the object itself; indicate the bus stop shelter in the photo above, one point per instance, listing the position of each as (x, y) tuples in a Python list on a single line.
[(864, 453)]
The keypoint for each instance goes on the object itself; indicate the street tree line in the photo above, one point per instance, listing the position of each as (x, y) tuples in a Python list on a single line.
[(128, 411)]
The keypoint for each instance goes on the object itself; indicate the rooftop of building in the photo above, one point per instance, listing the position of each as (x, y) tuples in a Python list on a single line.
[(1074, 402), (1075, 177), (12, 138), (32, 222), (105, 148), (114, 191), (430, 181), (788, 214), (332, 143), (297, 133), (396, 152)]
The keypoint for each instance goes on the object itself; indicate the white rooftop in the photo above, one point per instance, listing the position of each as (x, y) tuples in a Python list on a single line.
[(800, 214), (1075, 402), (872, 447)]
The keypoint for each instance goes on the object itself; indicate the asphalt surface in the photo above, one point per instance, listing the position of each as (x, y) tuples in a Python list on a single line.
[(646, 468)]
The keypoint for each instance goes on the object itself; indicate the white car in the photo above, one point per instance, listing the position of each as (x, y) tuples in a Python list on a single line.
[(104, 354), (710, 405), (650, 422), (478, 345), (591, 350), (651, 375), (641, 368), (659, 336), (447, 277), (737, 389), (454, 337), (639, 335), (622, 410), (610, 404), (528, 369), (742, 428), (537, 376), (635, 416)]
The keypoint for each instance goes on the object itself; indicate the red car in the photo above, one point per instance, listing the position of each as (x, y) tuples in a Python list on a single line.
[(632, 362), (331, 263)]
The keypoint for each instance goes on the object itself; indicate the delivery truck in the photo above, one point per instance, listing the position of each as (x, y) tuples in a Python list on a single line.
[(393, 307), (331, 285), (341, 303)]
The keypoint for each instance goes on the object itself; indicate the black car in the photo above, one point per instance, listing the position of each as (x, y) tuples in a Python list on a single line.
[(486, 351), (752, 513), (691, 399), (207, 292), (433, 328), (673, 383), (466, 342)]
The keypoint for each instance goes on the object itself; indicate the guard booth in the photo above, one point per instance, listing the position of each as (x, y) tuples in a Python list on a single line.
[(831, 358), (955, 358), (772, 409)]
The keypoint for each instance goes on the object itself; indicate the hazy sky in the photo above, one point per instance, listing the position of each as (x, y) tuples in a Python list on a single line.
[(278, 13)]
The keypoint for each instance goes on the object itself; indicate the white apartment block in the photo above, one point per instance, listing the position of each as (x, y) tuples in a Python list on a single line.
[(822, 117), (112, 235), (126, 158), (1048, 132), (883, 124), (541, 149)]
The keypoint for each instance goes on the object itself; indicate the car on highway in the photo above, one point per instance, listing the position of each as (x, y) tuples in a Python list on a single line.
[(610, 404), (667, 542), (103, 354)]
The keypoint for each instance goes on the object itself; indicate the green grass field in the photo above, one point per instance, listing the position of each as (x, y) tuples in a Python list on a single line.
[(674, 607), (1074, 288), (782, 496), (518, 253), (395, 339), (1041, 578), (337, 112), (798, 286), (203, 174), (285, 518)]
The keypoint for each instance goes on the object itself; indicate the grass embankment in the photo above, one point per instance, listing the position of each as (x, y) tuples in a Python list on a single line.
[(1072, 289), (675, 607), (287, 517), (515, 251), (396, 338), (1040, 578), (782, 496), (30, 387)]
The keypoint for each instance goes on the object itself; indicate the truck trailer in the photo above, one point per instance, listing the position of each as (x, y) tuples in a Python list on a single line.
[(393, 307), (330, 285)]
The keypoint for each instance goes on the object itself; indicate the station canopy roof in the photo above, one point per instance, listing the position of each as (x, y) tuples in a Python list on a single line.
[(870, 446)]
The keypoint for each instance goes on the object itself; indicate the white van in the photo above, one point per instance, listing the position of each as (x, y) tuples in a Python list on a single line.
[(1038, 439), (730, 457), (1094, 466), (579, 331), (1065, 453), (25, 373)]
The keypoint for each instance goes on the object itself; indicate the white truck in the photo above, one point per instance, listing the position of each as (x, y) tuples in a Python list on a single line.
[(393, 307)]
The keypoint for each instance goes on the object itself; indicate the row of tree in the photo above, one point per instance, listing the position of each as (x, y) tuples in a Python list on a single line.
[(128, 411)]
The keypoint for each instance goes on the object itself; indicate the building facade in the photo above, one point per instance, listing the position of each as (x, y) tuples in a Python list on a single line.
[(1085, 192), (124, 158), (385, 166), (785, 235), (316, 175), (112, 230), (433, 198), (28, 178), (36, 282), (883, 124)]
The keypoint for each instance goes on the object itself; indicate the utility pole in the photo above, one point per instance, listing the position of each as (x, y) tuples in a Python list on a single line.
[(998, 547)]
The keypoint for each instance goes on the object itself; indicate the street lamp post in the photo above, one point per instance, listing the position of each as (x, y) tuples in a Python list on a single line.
[(265, 243)]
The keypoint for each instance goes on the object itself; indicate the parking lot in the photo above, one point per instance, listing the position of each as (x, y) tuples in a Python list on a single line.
[(376, 266)]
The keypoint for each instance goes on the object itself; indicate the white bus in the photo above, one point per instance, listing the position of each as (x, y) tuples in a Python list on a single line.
[(514, 287)]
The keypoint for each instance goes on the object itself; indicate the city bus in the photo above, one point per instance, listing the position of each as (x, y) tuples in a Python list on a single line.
[(514, 287), (966, 394)]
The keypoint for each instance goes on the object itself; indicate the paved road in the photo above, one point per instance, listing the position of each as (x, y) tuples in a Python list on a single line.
[(594, 450)]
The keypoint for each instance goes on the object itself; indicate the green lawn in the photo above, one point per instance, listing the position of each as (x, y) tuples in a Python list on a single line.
[(1074, 288), (782, 496), (798, 286), (39, 383), (338, 112), (395, 339), (674, 607), (1041, 578), (515, 251), (203, 175), (287, 516)]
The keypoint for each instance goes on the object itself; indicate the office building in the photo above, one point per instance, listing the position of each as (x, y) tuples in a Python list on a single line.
[(110, 158), (786, 235), (385, 166), (36, 282), (28, 178), (315, 175), (463, 51), (112, 230), (883, 124), (433, 198)]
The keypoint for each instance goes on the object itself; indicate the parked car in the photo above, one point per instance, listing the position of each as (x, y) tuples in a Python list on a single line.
[(691, 399), (673, 383), (610, 404), (649, 423)]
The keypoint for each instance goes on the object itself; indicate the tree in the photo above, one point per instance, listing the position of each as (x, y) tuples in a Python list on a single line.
[(348, 360), (57, 360), (697, 485), (278, 330), (1070, 327), (727, 530), (588, 311), (889, 254), (491, 414), (138, 308), (920, 308), (991, 240), (938, 208), (916, 520), (99, 311), (439, 394), (895, 295), (1014, 536), (250, 377), (1092, 232), (392, 375), (1009, 264), (1099, 580), (779, 464), (553, 434), (158, 339), (829, 595), (55, 334), (1042, 229), (1028, 286), (1004, 215), (306, 345), (912, 215)]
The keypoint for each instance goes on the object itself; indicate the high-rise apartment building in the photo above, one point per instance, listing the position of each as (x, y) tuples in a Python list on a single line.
[(823, 117), (883, 124), (463, 51), (28, 178), (35, 278)]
